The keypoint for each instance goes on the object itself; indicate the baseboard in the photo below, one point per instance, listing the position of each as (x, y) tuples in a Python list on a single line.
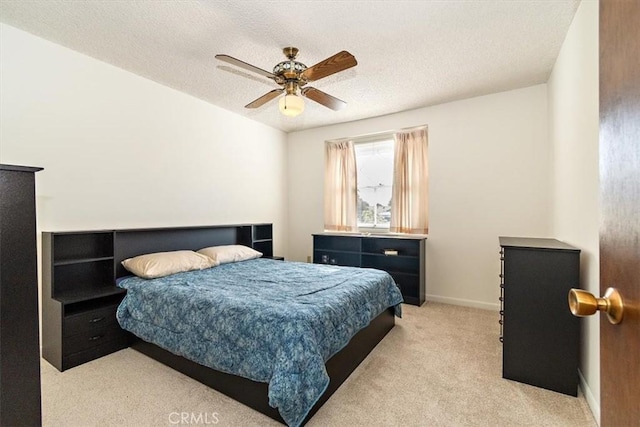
[(463, 302), (591, 400)]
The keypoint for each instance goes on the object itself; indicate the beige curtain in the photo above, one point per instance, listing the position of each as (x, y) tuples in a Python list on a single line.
[(409, 207), (340, 188)]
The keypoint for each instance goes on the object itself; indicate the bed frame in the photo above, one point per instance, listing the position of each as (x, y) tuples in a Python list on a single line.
[(254, 394)]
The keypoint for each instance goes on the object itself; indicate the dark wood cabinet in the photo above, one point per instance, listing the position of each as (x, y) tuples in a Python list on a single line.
[(540, 336), (20, 403), (79, 298), (403, 257)]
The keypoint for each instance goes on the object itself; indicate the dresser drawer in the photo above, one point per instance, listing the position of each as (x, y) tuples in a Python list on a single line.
[(92, 338), (101, 348), (347, 259), (90, 320)]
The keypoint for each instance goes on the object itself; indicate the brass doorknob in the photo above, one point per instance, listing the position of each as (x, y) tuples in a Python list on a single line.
[(583, 303)]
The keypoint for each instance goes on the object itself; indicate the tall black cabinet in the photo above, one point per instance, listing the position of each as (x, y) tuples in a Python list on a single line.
[(539, 333), (19, 343)]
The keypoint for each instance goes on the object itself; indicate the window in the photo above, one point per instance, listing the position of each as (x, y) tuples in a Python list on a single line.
[(378, 182), (374, 162)]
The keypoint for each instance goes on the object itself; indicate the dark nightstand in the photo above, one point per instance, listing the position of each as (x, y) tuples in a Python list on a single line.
[(79, 299), (277, 258)]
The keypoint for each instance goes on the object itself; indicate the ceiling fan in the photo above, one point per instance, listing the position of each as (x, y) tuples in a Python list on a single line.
[(293, 77)]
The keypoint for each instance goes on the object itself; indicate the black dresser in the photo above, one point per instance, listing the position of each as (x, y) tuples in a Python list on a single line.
[(540, 336), (403, 257), (19, 343)]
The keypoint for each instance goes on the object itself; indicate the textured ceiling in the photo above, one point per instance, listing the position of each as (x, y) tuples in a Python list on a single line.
[(410, 53)]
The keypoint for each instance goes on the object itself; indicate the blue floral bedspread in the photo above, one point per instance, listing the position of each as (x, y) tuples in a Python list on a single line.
[(269, 321)]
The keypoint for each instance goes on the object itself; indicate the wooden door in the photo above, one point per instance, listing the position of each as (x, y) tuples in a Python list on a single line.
[(620, 207)]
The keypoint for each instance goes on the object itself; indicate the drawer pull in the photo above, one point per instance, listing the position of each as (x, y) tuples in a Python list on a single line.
[(95, 337), (97, 320)]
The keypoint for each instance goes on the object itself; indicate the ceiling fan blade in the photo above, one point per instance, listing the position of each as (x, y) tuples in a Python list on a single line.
[(323, 98), (242, 64), (336, 63), (264, 98)]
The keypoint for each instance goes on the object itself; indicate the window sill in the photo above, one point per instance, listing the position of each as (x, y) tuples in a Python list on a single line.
[(377, 233)]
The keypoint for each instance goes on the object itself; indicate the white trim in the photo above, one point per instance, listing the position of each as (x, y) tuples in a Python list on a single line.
[(591, 401), (464, 302)]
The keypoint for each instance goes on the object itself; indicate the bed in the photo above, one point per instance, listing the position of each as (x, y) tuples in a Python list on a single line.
[(278, 336)]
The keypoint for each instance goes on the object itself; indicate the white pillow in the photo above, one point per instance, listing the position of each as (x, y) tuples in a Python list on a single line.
[(160, 264), (229, 253)]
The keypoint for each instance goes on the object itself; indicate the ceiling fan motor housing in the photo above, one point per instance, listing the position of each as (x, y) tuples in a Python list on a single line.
[(289, 69)]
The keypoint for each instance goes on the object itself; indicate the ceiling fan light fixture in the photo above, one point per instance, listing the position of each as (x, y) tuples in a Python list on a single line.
[(291, 105)]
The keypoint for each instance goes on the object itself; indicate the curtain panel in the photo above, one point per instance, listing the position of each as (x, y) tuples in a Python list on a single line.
[(409, 207), (340, 187)]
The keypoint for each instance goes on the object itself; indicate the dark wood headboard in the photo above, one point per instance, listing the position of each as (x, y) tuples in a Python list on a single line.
[(133, 242)]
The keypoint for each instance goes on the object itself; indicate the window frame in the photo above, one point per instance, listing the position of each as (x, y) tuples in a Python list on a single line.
[(383, 137)]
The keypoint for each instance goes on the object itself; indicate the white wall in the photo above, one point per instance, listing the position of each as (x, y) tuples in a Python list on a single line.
[(489, 165), (123, 151), (573, 130)]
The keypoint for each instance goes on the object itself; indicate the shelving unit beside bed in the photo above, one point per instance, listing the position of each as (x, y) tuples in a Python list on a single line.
[(79, 298), (258, 237)]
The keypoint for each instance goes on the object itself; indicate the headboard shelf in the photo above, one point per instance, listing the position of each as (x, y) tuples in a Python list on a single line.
[(90, 294)]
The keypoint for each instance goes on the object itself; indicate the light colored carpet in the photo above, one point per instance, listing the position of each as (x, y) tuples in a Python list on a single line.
[(440, 366)]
